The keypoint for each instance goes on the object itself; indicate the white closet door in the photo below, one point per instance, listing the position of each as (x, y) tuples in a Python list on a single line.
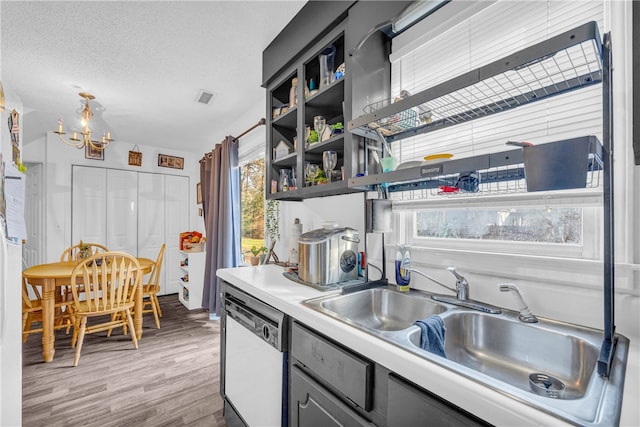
[(151, 192), (89, 205), (177, 220), (122, 212)]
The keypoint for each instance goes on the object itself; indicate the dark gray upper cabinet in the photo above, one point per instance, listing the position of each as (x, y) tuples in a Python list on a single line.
[(294, 55), (304, 30)]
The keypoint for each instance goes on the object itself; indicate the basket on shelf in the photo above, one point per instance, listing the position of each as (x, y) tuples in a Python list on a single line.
[(391, 125)]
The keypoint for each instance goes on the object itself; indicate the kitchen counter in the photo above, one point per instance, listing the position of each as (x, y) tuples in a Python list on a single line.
[(267, 283)]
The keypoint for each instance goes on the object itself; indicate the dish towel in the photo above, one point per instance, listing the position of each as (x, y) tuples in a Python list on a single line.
[(432, 336)]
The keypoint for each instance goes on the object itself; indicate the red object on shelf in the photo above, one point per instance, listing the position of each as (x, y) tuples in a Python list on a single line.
[(188, 238), (447, 189)]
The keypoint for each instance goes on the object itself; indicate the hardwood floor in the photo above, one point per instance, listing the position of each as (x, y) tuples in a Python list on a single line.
[(171, 380)]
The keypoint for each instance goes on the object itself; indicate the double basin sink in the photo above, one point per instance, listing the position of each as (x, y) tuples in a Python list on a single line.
[(549, 365)]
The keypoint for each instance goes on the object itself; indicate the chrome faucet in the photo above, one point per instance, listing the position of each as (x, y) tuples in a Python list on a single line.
[(462, 285), (525, 314), (436, 281), (461, 290)]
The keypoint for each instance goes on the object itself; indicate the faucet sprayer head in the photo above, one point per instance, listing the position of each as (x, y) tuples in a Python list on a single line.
[(525, 313)]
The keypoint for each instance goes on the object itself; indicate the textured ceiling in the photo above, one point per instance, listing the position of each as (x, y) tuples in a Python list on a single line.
[(145, 61)]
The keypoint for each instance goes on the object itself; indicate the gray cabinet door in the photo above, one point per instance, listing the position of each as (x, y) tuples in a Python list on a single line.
[(310, 405), (349, 374), (412, 406)]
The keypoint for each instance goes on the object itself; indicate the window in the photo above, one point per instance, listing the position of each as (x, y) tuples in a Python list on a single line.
[(540, 225), (498, 218), (252, 204)]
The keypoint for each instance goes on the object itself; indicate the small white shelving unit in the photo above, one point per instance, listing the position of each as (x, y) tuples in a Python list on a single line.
[(192, 280)]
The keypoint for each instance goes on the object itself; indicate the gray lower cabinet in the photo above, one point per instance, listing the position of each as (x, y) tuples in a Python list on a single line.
[(410, 405), (330, 385), (312, 405)]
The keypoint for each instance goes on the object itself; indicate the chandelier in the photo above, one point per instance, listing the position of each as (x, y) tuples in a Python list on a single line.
[(84, 139)]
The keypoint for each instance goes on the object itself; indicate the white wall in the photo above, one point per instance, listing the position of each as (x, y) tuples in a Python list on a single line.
[(58, 159), (10, 308), (346, 210)]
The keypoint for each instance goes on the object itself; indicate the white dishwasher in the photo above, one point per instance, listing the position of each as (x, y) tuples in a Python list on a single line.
[(254, 361)]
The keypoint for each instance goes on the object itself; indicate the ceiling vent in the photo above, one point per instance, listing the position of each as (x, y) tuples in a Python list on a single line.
[(204, 97)]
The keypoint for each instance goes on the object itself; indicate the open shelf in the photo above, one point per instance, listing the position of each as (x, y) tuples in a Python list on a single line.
[(583, 155), (286, 120), (286, 161), (566, 62), (322, 190), (336, 143)]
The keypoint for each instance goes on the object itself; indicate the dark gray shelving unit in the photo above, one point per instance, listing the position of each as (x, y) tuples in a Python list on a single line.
[(343, 24), (329, 102)]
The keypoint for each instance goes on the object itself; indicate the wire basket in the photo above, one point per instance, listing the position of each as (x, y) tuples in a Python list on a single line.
[(394, 124)]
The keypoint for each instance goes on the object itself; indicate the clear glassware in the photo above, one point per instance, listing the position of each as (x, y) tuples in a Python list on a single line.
[(293, 181), (319, 125), (312, 173), (326, 59), (329, 161), (283, 182)]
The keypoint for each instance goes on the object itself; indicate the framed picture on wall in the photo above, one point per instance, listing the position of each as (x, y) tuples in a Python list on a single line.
[(135, 157), (91, 152), (198, 193), (167, 161)]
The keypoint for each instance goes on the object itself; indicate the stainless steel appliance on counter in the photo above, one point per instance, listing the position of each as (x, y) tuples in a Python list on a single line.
[(328, 255), (253, 361)]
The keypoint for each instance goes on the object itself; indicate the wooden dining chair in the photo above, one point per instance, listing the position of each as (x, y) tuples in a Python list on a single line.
[(32, 311), (110, 281), (150, 303), (76, 253), (73, 253)]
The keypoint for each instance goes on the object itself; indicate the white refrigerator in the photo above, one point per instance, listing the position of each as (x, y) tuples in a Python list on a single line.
[(10, 296)]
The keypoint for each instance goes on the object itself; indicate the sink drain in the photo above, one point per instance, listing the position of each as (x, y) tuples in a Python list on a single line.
[(546, 385)]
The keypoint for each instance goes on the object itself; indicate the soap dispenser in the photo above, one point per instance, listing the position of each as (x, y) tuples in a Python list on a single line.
[(294, 252), (403, 264)]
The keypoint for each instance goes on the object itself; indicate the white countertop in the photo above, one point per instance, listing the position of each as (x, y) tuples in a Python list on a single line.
[(267, 283)]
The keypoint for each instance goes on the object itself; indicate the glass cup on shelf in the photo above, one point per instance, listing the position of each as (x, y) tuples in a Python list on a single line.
[(326, 59), (312, 172), (329, 161), (284, 181), (319, 125)]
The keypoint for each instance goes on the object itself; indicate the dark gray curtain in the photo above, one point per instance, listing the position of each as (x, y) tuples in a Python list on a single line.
[(220, 184)]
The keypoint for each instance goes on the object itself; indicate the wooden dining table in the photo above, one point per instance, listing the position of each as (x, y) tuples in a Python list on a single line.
[(56, 274)]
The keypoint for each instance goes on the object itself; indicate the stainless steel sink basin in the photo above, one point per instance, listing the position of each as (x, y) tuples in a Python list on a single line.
[(381, 308), (511, 351), (549, 365)]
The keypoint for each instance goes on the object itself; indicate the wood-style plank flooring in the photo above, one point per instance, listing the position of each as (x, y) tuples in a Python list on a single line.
[(173, 379)]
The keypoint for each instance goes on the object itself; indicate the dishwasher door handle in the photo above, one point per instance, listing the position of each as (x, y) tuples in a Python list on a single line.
[(236, 313)]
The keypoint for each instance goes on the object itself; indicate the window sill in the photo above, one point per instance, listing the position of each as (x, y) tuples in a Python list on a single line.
[(580, 273)]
